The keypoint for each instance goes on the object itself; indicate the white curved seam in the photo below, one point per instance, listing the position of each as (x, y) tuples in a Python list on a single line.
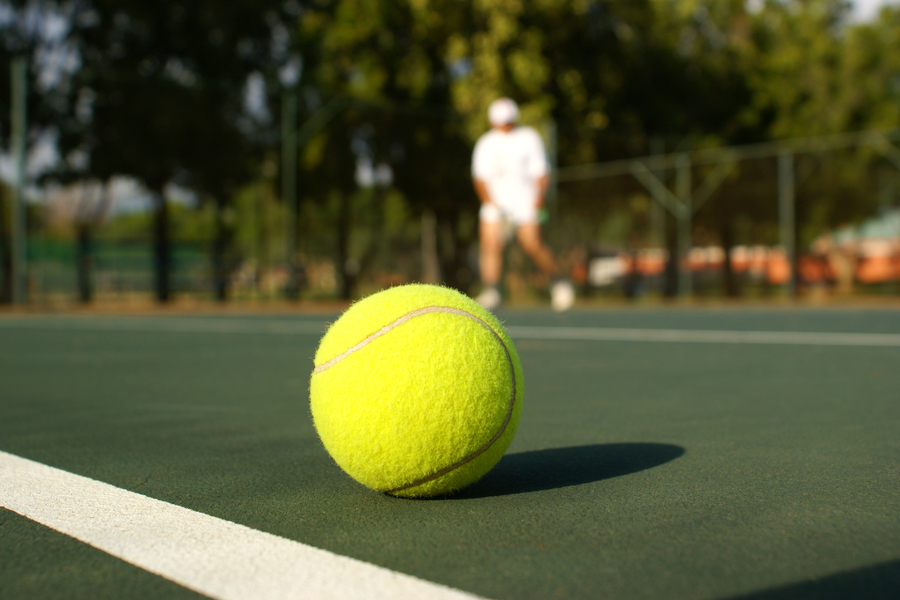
[(391, 326)]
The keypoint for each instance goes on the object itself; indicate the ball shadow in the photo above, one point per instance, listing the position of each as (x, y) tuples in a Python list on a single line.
[(875, 582), (554, 468)]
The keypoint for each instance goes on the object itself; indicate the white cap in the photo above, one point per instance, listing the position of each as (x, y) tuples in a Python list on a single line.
[(503, 111)]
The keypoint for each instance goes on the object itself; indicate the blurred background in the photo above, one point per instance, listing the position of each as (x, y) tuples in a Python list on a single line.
[(314, 150)]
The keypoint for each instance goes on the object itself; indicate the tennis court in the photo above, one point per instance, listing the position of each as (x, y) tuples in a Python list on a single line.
[(662, 453)]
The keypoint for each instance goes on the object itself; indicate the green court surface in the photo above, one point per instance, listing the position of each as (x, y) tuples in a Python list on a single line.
[(689, 467)]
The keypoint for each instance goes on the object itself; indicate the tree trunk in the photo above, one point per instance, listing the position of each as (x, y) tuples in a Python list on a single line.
[(453, 252), (431, 266), (220, 246), (348, 267), (5, 257), (726, 237), (670, 274), (162, 249), (448, 259), (83, 263)]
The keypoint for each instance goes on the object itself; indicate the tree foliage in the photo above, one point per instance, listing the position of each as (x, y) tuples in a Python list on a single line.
[(167, 85), (161, 94)]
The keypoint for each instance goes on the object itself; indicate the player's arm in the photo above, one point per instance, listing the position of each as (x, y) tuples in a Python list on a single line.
[(542, 183), (480, 160), (538, 167), (482, 190)]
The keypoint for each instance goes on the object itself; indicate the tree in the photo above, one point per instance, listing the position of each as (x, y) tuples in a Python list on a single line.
[(167, 85), (817, 73), (710, 50), (389, 60), (435, 66), (44, 35)]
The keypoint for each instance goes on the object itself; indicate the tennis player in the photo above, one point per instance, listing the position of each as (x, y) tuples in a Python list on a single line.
[(510, 173)]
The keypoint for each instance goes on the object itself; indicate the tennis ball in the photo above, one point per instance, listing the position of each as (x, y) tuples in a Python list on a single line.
[(416, 391)]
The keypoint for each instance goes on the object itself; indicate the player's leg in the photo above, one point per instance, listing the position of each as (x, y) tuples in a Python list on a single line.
[(529, 237), (490, 258), (562, 292)]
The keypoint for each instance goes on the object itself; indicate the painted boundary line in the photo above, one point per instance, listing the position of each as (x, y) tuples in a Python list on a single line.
[(167, 324), (600, 334), (705, 336), (211, 556)]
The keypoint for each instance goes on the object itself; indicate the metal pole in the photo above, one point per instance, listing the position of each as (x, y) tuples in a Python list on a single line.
[(431, 265), (683, 191), (18, 140), (657, 212), (786, 215), (551, 199), (289, 184), (553, 159)]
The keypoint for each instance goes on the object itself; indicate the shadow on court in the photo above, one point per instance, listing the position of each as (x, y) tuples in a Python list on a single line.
[(873, 583), (562, 467)]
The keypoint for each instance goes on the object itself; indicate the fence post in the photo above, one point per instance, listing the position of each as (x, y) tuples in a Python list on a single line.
[(289, 185), (786, 216), (657, 211), (19, 143), (683, 191)]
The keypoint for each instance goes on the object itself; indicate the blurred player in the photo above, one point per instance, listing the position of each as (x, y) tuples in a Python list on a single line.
[(510, 172)]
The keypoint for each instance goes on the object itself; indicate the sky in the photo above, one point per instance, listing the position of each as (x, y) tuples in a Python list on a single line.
[(867, 9)]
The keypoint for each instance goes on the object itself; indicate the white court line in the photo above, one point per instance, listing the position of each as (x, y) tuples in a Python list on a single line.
[(705, 336), (604, 334), (172, 325), (214, 557)]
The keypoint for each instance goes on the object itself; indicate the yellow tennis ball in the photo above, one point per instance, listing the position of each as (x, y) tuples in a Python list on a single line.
[(416, 391)]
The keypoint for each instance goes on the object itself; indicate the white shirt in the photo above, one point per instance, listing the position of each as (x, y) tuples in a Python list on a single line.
[(510, 164)]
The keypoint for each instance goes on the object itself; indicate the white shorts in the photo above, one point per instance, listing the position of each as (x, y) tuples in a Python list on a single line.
[(519, 214)]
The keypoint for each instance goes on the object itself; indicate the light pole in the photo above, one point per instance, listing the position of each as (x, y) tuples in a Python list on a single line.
[(290, 76), (18, 141)]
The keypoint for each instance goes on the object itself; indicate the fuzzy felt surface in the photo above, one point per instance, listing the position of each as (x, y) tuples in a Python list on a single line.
[(438, 391)]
